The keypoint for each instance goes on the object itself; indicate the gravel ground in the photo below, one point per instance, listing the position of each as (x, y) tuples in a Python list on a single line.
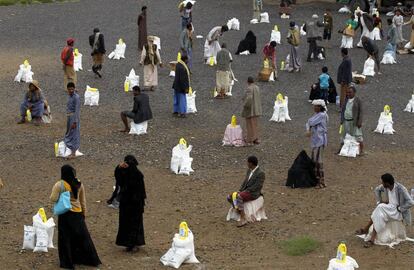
[(29, 168)]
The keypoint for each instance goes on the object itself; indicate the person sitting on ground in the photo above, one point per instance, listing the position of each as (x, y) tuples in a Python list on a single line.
[(251, 188), (324, 79), (372, 49), (269, 53), (141, 111), (34, 102), (395, 206), (247, 44)]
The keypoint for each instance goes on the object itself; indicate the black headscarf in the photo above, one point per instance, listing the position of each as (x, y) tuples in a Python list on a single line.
[(248, 43), (68, 174), (131, 160)]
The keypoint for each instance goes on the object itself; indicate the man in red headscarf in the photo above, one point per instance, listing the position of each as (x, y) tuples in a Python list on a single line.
[(67, 59)]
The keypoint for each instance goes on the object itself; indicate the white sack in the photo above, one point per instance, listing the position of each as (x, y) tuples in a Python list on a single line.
[(64, 151), (77, 62), (344, 9), (41, 240), (275, 36), (376, 34), (91, 97), (408, 45), (388, 58), (191, 102), (233, 24), (133, 79), (264, 17), (181, 160), (369, 67), (29, 239), (385, 124), (181, 251), (253, 210), (49, 226), (302, 32), (281, 111), (350, 264), (410, 105), (138, 129), (47, 118), (24, 74), (350, 147)]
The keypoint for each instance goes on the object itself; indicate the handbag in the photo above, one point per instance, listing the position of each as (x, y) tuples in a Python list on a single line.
[(63, 204)]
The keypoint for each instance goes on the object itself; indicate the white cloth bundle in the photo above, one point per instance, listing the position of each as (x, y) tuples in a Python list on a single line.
[(264, 17), (181, 251), (280, 111), (253, 210), (132, 79), (350, 147), (388, 58), (369, 67), (64, 151), (393, 234), (233, 24), (246, 52), (138, 129), (191, 102), (77, 62), (91, 96), (344, 9), (350, 264), (385, 124), (119, 51), (376, 34), (410, 105), (275, 36), (181, 160), (24, 74)]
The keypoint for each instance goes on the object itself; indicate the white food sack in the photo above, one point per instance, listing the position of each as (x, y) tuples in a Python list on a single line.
[(246, 52), (133, 79), (138, 129), (191, 102), (181, 160), (41, 240), (24, 74), (410, 105), (350, 264), (77, 62), (91, 96), (275, 36), (350, 147), (302, 32), (29, 239), (344, 9), (254, 21), (182, 251), (408, 46), (64, 151), (49, 226), (385, 124), (369, 67), (119, 52), (376, 35), (281, 111), (264, 17), (47, 118), (233, 24), (157, 41), (388, 58)]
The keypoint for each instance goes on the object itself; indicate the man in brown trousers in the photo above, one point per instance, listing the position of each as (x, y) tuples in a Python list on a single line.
[(252, 110), (69, 74)]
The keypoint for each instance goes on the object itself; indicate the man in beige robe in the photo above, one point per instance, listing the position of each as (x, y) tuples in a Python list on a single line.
[(252, 110), (150, 58)]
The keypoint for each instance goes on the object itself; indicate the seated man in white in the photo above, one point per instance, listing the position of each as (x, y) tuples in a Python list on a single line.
[(393, 204), (250, 190)]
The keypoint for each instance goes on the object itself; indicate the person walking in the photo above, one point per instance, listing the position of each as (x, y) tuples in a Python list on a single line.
[(131, 205), (75, 244), (293, 39), (344, 77), (142, 28), (252, 110), (150, 58), (186, 43), (97, 43), (67, 57)]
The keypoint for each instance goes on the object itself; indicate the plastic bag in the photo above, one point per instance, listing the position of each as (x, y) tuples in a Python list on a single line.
[(29, 239), (64, 151), (369, 67), (132, 80), (91, 96), (138, 129), (191, 102), (77, 62), (385, 124)]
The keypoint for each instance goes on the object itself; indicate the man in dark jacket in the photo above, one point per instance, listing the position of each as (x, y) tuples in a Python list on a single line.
[(181, 87), (250, 190), (97, 43), (344, 75), (141, 111), (372, 50)]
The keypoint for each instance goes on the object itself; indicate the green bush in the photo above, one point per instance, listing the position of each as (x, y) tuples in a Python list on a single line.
[(7, 2), (300, 245)]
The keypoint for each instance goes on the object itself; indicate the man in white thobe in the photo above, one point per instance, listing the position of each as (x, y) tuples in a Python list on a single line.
[(212, 45)]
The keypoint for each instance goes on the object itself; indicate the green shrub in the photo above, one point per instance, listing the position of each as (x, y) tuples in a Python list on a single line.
[(299, 245), (7, 2)]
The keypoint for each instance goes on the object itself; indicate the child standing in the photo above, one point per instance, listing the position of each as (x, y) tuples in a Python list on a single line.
[(324, 79)]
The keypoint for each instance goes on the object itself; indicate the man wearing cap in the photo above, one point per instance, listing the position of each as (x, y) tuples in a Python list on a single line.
[(351, 118), (313, 34), (69, 74), (97, 43), (34, 102)]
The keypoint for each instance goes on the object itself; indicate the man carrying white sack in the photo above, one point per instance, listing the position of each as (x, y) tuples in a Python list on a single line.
[(394, 206), (250, 190), (212, 45), (141, 111)]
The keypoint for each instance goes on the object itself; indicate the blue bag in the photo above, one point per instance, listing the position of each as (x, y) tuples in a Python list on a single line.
[(63, 204)]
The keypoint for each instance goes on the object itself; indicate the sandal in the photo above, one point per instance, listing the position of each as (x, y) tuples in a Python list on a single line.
[(368, 244), (360, 231)]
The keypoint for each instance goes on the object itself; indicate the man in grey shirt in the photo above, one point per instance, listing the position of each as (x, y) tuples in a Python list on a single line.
[(223, 74), (186, 43)]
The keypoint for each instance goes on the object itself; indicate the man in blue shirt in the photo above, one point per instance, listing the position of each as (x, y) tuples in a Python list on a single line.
[(324, 84)]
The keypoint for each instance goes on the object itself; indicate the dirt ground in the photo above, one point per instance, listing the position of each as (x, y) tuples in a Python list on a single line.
[(29, 168)]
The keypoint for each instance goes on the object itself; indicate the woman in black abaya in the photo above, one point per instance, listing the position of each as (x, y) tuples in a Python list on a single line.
[(131, 205), (247, 44)]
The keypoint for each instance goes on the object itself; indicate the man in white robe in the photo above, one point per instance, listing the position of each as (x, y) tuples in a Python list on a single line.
[(393, 204), (212, 45)]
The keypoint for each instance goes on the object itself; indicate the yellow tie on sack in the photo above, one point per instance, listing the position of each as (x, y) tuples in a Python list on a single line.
[(341, 129), (120, 41), (276, 28), (282, 65), (211, 61), (76, 52), (88, 88), (42, 214), (341, 253), (234, 199), (28, 115), (183, 142), (126, 86), (56, 149), (387, 110), (266, 63), (279, 97), (233, 121), (190, 91), (178, 57), (26, 63), (183, 230), (349, 26)]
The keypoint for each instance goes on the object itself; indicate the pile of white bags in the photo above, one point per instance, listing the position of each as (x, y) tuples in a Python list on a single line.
[(191, 102), (24, 74), (264, 18), (410, 105), (181, 251), (350, 147), (131, 80), (275, 35), (180, 159), (119, 51), (139, 129), (91, 96), (281, 110), (369, 67), (63, 151), (385, 124), (39, 237), (350, 264), (233, 24), (77, 60)]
